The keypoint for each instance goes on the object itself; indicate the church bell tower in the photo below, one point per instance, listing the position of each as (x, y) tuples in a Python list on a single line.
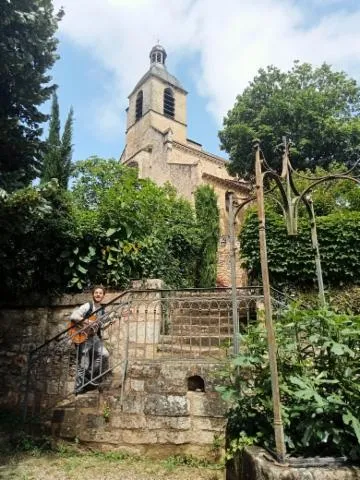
[(158, 102)]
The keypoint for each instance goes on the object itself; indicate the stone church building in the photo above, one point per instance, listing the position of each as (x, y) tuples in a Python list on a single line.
[(158, 146)]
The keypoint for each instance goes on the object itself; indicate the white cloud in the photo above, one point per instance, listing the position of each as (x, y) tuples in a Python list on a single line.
[(232, 38)]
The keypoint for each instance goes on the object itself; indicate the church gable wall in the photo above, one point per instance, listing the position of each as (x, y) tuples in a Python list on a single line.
[(139, 136)]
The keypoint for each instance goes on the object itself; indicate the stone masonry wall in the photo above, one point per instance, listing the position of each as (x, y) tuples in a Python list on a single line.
[(156, 414), (24, 327), (159, 409)]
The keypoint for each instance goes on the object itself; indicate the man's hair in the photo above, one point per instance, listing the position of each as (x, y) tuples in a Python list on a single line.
[(96, 287)]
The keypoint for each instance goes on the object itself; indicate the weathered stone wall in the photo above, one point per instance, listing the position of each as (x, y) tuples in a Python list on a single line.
[(157, 409), (24, 327), (256, 464), (156, 413), (223, 276)]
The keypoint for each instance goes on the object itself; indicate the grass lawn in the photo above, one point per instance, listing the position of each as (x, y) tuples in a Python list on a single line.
[(72, 464)]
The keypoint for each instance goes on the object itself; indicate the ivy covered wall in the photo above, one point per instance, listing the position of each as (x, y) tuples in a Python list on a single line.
[(291, 259)]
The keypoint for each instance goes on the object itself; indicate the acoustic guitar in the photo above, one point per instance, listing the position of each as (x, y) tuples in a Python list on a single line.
[(79, 332)]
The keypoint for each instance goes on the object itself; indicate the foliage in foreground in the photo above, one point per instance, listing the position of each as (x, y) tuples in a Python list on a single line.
[(319, 367), (340, 300)]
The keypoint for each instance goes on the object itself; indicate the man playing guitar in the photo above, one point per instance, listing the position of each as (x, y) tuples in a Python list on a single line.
[(91, 354)]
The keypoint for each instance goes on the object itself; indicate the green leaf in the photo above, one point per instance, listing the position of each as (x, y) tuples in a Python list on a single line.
[(81, 269), (349, 419), (110, 232)]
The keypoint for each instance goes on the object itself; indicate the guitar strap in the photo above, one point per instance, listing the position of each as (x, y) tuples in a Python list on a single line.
[(89, 312)]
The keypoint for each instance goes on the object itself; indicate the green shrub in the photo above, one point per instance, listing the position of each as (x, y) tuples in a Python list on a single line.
[(343, 300), (111, 228), (319, 371), (129, 228), (291, 259), (36, 227)]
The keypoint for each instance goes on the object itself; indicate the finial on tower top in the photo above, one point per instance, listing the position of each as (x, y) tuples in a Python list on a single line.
[(158, 55)]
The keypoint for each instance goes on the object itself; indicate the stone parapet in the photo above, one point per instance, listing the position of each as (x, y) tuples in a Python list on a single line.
[(163, 407), (155, 410), (257, 464)]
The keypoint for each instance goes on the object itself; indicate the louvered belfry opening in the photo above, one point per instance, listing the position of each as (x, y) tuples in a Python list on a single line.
[(139, 105), (169, 103)]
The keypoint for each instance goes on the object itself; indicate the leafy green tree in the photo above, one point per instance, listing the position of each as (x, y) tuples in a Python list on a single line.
[(316, 108), (57, 160), (52, 157), (328, 197), (27, 52), (37, 225), (207, 214), (129, 228)]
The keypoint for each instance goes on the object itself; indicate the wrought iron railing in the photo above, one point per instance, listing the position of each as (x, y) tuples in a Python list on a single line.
[(154, 325)]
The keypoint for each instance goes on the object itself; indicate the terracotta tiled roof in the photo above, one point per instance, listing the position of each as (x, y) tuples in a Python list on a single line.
[(234, 184)]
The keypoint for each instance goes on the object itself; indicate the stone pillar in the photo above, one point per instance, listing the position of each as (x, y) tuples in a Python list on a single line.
[(223, 278)]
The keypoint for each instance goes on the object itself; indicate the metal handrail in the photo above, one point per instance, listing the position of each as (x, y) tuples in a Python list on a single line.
[(132, 291)]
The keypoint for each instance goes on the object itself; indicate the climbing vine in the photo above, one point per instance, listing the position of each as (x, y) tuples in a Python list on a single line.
[(291, 259)]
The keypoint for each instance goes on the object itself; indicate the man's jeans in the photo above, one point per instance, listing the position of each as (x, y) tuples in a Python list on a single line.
[(92, 361)]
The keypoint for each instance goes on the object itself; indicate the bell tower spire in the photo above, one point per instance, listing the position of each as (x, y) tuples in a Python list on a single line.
[(157, 55), (156, 104)]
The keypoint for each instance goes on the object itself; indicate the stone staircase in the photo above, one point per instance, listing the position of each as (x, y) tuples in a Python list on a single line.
[(202, 325)]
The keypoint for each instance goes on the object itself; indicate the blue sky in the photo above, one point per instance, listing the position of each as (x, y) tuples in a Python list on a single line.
[(214, 48)]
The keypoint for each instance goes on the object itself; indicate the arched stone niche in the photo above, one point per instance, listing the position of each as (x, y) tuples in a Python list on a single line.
[(196, 384)]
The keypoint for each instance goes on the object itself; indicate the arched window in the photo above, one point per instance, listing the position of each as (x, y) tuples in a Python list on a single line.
[(139, 106), (169, 103)]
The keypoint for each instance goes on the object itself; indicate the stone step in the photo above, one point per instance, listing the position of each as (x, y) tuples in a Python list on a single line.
[(216, 293), (206, 311), (198, 329), (195, 320), (195, 341), (189, 351), (213, 305)]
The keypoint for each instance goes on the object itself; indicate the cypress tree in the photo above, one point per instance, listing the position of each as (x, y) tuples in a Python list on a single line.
[(207, 213), (27, 52), (51, 160), (66, 150), (57, 161)]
